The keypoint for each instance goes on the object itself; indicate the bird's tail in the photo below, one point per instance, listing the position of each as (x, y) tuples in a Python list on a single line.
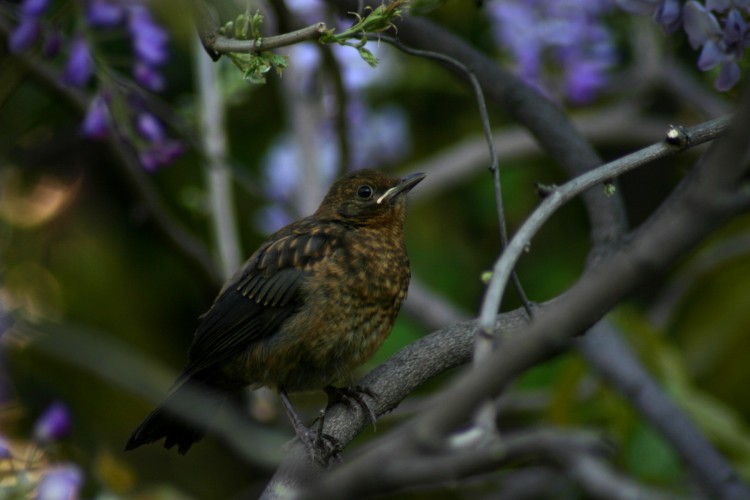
[(168, 420)]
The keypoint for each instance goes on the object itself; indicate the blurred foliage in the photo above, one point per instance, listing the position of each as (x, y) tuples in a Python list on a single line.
[(78, 247)]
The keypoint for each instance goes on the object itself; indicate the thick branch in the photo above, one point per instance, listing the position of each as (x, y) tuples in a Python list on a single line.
[(606, 351), (392, 381), (573, 451)]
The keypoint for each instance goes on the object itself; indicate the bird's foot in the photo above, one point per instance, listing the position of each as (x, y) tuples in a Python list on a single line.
[(321, 447), (351, 395)]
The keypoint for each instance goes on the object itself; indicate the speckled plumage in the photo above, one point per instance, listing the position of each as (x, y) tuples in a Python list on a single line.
[(314, 302)]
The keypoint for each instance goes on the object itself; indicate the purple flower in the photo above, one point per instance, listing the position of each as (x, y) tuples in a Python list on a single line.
[(310, 11), (5, 453), (638, 7), (104, 13), (160, 154), (736, 31), (34, 8), (711, 55), (583, 83), (80, 66), (669, 15), (271, 218), (148, 76), (723, 5), (53, 40), (96, 122), (150, 128), (60, 483), (700, 25), (24, 35), (547, 39), (518, 31), (54, 424), (149, 39), (719, 47), (384, 136), (729, 75)]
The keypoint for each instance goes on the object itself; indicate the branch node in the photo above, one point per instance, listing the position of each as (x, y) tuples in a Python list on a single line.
[(677, 136), (544, 190)]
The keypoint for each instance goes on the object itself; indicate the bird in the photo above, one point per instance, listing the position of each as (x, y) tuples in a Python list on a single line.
[(310, 305)]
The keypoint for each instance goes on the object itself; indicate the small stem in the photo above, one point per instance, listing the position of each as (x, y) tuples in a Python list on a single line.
[(224, 45), (484, 342)]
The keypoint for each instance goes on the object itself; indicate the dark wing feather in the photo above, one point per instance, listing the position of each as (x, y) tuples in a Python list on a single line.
[(262, 295)]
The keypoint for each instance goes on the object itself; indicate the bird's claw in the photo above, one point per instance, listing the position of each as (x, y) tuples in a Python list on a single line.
[(321, 447), (351, 395)]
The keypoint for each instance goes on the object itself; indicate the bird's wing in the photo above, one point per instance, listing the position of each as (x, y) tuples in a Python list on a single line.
[(262, 295)]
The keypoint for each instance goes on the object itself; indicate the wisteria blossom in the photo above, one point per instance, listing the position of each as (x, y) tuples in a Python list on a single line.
[(54, 424), (718, 28), (150, 52), (545, 39)]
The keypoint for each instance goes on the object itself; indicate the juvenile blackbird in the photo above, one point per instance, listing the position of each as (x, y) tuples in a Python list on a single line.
[(314, 302)]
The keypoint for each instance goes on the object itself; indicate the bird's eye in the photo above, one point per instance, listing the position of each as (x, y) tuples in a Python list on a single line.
[(364, 192)]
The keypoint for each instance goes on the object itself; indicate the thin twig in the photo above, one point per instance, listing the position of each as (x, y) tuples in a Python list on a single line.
[(215, 44), (620, 125), (561, 195), (483, 342)]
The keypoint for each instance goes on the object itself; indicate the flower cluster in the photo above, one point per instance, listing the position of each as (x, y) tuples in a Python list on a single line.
[(718, 28), (112, 100), (61, 480), (563, 49)]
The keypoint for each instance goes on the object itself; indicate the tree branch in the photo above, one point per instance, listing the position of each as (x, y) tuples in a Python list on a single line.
[(215, 44), (392, 381), (619, 125), (677, 140), (572, 451), (223, 45), (605, 350)]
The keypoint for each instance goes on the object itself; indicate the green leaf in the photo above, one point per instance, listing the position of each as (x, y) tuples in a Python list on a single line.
[(368, 56), (240, 27), (255, 23), (227, 29)]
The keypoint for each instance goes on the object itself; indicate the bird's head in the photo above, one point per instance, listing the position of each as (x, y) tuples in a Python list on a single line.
[(368, 197)]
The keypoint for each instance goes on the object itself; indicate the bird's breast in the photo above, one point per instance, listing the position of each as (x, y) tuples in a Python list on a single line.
[(350, 301)]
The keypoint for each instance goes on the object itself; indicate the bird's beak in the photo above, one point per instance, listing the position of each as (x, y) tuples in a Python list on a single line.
[(403, 187)]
